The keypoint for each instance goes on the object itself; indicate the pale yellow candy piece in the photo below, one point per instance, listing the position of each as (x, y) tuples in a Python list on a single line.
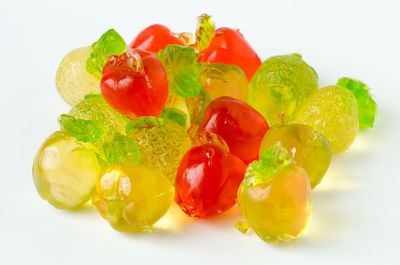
[(224, 80), (133, 197), (65, 171), (72, 80)]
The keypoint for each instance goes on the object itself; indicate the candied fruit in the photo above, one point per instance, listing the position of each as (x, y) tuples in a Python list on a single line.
[(132, 197)]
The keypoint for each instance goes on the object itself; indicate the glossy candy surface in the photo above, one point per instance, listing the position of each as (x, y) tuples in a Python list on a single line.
[(132, 197), (135, 84), (73, 82), (154, 38), (241, 126), (308, 148), (161, 146), (275, 198), (207, 181), (228, 46), (94, 107), (333, 112), (224, 80), (65, 171), (279, 87)]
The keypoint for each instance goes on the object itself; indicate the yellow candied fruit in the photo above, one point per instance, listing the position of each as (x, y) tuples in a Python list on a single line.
[(132, 197), (162, 146), (73, 82), (333, 112), (280, 209), (65, 171), (224, 80), (308, 148)]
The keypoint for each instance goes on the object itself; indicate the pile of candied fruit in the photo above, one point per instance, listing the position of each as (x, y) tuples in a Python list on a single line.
[(201, 121)]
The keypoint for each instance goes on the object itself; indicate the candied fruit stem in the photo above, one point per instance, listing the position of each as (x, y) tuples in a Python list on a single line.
[(185, 37), (281, 117), (134, 60), (88, 131), (121, 149), (272, 160), (143, 122), (205, 31), (241, 226)]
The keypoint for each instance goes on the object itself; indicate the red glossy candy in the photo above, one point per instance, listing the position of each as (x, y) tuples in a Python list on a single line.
[(241, 126), (207, 181), (230, 47), (155, 38), (135, 84)]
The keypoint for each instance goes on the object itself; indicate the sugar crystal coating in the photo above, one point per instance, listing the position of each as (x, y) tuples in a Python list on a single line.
[(333, 112)]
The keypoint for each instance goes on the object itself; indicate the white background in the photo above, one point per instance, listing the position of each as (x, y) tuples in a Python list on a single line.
[(356, 216)]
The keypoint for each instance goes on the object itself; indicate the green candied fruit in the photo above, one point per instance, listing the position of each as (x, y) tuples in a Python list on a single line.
[(94, 107), (175, 115), (205, 31), (197, 105), (110, 43), (121, 149), (367, 107), (279, 87), (183, 71), (83, 130), (272, 159)]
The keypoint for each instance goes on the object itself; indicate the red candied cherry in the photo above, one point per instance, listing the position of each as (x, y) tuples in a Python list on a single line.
[(135, 84), (154, 38), (207, 181), (241, 126), (230, 47)]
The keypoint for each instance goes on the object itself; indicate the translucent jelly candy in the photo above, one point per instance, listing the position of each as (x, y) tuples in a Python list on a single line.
[(132, 197), (241, 126), (207, 181), (308, 148), (182, 70), (275, 197), (196, 107), (367, 107), (72, 80), (204, 137), (224, 80), (156, 37), (177, 102), (333, 112), (94, 107), (135, 84), (227, 46), (65, 171), (279, 87), (161, 145)]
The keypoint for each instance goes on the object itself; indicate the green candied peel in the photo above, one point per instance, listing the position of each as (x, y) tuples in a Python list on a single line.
[(272, 160), (205, 31), (183, 71), (88, 131), (367, 107), (121, 149), (176, 115), (142, 122), (93, 96), (110, 43)]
